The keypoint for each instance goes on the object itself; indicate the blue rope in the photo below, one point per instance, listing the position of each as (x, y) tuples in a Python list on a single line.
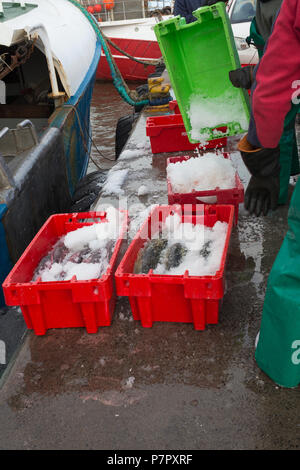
[(117, 80)]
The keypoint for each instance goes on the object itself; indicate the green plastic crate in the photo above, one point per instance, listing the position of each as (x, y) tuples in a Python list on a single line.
[(198, 57)]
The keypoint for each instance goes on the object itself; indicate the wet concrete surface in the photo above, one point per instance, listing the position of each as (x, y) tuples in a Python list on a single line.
[(12, 332), (106, 108), (167, 387)]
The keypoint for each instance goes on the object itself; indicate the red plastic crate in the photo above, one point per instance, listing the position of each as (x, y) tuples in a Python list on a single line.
[(169, 298), (174, 107), (62, 304), (167, 134), (222, 196)]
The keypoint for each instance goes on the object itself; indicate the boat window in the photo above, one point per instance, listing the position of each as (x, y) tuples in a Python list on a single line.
[(243, 11), (158, 4)]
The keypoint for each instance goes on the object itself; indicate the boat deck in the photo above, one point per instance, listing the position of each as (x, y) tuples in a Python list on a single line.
[(167, 387)]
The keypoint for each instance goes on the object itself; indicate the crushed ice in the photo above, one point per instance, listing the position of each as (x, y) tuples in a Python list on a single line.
[(205, 112), (202, 173), (84, 252)]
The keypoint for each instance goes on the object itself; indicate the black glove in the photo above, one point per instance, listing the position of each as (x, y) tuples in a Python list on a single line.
[(263, 189), (262, 194), (212, 2), (242, 77)]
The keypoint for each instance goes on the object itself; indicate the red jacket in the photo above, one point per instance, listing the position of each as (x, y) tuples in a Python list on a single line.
[(275, 79)]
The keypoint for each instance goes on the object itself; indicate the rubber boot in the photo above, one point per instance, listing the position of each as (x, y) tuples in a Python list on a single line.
[(295, 170), (278, 348)]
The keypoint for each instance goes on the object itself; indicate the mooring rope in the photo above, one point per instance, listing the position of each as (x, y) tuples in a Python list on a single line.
[(135, 59), (130, 96)]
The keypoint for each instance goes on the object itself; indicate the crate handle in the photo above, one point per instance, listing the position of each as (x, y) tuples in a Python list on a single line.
[(87, 217)]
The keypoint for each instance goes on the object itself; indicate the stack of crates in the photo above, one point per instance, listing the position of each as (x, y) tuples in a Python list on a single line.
[(167, 134), (232, 196)]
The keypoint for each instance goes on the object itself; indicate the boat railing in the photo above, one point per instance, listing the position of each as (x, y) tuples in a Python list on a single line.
[(13, 142), (118, 9), (128, 9), (20, 2)]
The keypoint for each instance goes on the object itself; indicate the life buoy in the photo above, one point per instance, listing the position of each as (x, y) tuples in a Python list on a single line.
[(97, 8), (108, 4)]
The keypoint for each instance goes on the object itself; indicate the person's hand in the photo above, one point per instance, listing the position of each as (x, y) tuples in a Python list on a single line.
[(263, 189), (262, 194), (242, 77)]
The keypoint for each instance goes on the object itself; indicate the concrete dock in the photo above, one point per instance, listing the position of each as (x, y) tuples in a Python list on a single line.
[(168, 387)]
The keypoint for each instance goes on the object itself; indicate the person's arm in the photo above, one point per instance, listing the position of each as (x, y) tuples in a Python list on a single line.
[(271, 95), (275, 75), (185, 8), (213, 2), (180, 8)]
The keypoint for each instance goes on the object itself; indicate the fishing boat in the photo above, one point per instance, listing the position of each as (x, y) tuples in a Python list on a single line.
[(137, 39), (128, 25), (49, 54)]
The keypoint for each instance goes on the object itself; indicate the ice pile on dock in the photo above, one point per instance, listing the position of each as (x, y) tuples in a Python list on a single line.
[(184, 247), (84, 253), (207, 112), (204, 173)]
